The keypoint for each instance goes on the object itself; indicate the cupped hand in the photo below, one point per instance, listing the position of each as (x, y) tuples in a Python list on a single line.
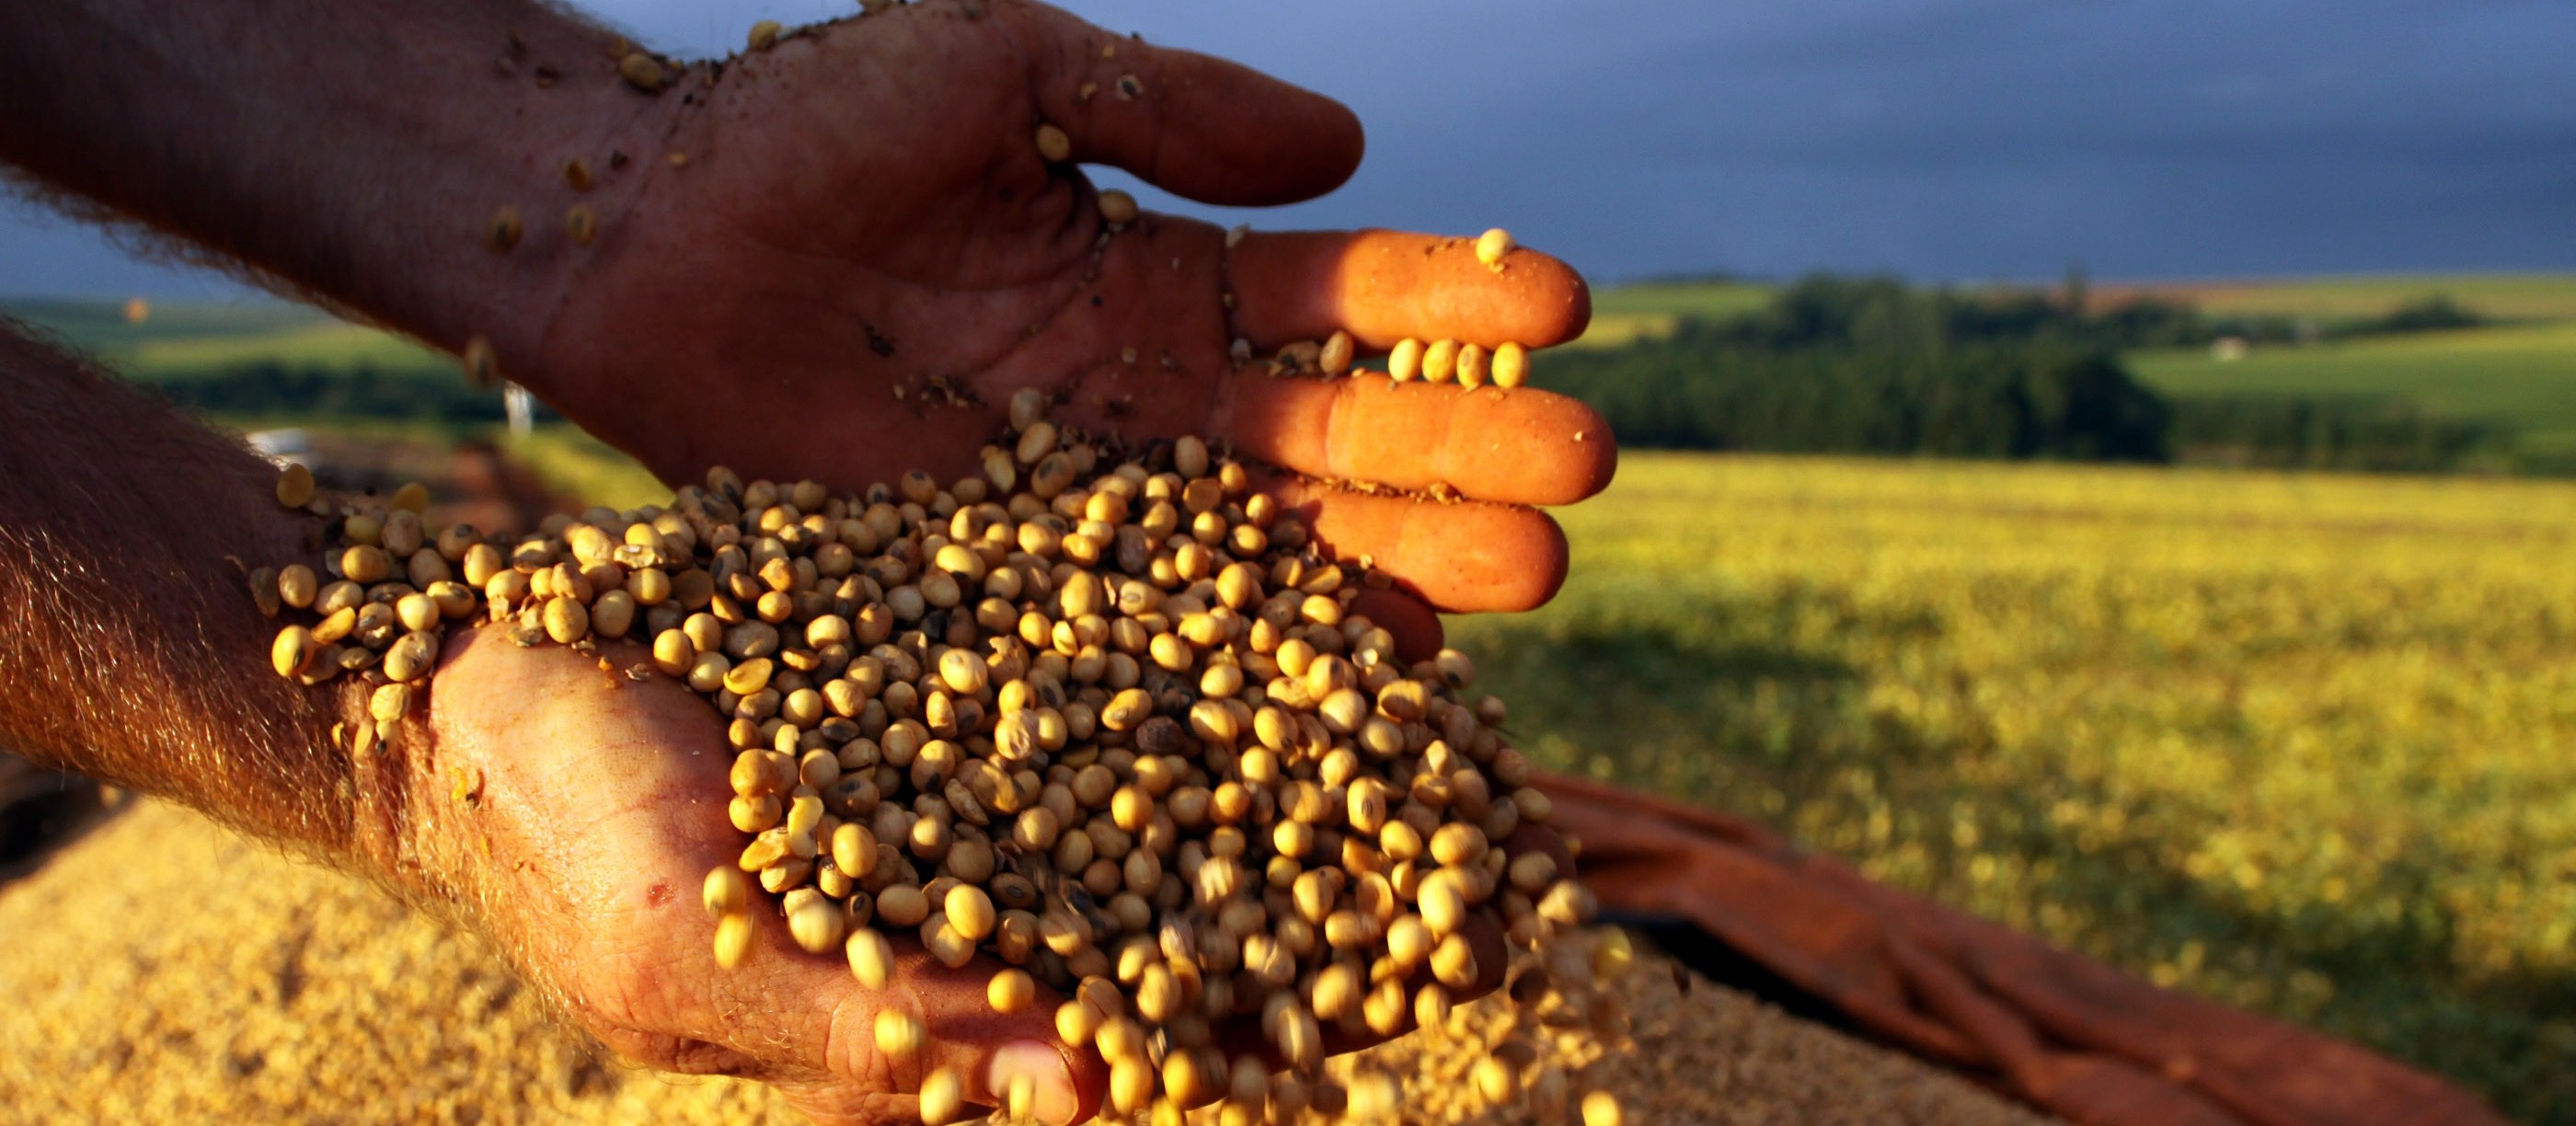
[(572, 813), (575, 813), (864, 253)]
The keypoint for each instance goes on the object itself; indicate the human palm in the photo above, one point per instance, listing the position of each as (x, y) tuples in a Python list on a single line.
[(574, 812), (865, 254)]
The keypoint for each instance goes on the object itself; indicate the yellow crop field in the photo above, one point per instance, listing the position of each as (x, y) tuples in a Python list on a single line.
[(2306, 744)]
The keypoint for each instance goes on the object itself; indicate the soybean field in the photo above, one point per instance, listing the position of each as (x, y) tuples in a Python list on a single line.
[(2296, 742)]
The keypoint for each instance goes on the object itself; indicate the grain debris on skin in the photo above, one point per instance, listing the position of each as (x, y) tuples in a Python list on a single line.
[(1117, 207), (1054, 145), (644, 72), (502, 232)]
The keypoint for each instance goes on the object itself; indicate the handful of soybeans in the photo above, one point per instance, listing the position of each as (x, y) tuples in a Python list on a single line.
[(1100, 714)]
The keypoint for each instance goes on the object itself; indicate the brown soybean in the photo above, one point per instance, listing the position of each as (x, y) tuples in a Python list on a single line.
[(643, 72), (411, 657), (295, 486), (293, 651), (1440, 361), (1117, 207), (1011, 991), (566, 620), (1601, 1108), (733, 939), (943, 1097), (871, 958), (1057, 148)]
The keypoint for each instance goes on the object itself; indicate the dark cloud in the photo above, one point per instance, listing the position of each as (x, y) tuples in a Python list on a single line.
[(1940, 138)]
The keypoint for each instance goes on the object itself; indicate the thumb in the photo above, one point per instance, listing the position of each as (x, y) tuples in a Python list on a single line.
[(1196, 126)]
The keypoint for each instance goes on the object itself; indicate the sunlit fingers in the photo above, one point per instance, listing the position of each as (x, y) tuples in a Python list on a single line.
[(1521, 446), (1464, 557)]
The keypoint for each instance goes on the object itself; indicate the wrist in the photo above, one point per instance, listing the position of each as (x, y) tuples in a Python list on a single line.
[(345, 756), (417, 783)]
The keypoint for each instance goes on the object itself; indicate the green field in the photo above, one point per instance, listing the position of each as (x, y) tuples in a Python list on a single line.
[(1622, 313), (179, 340), (2525, 297), (182, 341), (2518, 297), (2299, 743), (2522, 376), (2519, 376)]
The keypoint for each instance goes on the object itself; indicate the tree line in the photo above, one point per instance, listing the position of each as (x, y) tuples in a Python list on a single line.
[(1873, 366), (269, 389)]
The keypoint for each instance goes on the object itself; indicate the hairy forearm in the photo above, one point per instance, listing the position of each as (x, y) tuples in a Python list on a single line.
[(132, 649), (357, 150)]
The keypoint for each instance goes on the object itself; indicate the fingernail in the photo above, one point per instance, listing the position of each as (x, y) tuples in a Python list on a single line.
[(1040, 1063)]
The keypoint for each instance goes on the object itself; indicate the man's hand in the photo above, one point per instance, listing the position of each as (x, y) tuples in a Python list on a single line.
[(860, 210), (574, 813), (865, 254)]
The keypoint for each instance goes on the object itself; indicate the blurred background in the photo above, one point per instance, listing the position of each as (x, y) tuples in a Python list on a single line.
[(2106, 466)]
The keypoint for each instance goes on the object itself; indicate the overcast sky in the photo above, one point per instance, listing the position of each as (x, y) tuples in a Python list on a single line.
[(1942, 139)]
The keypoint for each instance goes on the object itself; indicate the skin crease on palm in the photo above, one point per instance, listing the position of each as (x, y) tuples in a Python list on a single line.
[(864, 212)]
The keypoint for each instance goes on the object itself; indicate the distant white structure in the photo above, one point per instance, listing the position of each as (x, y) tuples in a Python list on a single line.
[(282, 447), (522, 407), (2229, 349)]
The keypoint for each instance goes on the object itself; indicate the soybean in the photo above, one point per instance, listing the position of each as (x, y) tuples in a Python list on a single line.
[(1057, 148), (1011, 991), (1118, 207), (1510, 365), (295, 486)]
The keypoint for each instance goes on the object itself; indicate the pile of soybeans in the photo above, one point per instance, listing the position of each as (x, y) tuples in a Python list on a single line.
[(1102, 715)]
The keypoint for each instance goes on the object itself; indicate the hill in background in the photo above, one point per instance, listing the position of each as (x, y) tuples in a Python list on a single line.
[(2406, 372)]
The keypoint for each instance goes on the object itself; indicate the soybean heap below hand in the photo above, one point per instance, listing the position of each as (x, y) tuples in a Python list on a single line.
[(994, 715)]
